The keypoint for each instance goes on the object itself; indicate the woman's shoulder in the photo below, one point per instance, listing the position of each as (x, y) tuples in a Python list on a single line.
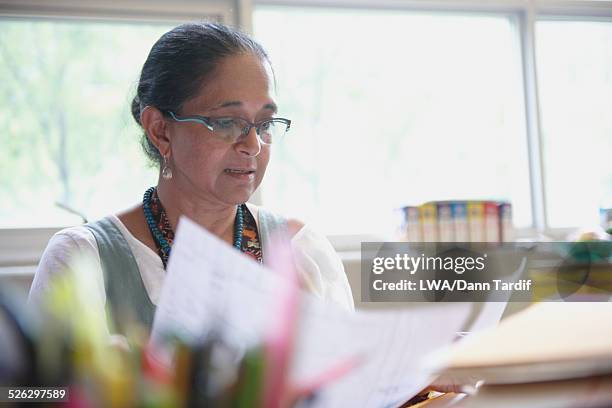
[(302, 234), (66, 245), (316, 245), (75, 237), (294, 225), (63, 249), (321, 267), (75, 241)]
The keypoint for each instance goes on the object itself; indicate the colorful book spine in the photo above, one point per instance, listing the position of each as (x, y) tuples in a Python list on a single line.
[(412, 224), (462, 232), (506, 229), (491, 222), (429, 221), (446, 227), (457, 221), (475, 210)]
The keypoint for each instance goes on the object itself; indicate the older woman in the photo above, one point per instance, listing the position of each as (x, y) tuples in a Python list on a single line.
[(205, 104)]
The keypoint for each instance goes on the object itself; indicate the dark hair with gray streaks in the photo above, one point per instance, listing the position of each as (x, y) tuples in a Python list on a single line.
[(180, 63)]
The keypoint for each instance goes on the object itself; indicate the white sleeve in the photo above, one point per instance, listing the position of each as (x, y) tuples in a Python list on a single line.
[(64, 248), (320, 268)]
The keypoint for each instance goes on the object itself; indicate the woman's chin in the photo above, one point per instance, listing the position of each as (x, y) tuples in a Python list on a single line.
[(239, 196)]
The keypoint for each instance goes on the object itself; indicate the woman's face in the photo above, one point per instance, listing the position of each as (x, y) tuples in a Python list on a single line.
[(202, 164)]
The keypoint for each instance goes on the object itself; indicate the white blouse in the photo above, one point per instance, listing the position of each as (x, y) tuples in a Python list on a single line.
[(320, 268)]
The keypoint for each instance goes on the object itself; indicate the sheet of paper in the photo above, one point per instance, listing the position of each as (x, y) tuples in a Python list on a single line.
[(210, 286), (490, 312), (395, 345)]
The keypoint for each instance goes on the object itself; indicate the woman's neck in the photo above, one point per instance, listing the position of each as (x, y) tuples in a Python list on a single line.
[(217, 218)]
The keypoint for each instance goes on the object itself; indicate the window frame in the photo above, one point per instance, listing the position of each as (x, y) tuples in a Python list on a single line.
[(24, 246), (124, 11)]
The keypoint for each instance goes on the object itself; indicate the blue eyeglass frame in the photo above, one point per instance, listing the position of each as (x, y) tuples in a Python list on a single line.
[(205, 120)]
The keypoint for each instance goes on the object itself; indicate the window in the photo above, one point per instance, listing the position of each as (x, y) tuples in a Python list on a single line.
[(391, 108), (575, 85), (66, 132)]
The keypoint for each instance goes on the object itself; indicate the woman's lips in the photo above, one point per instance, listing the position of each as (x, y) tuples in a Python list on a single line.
[(241, 174)]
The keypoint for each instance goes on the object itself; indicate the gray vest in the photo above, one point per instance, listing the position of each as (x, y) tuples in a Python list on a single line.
[(126, 295)]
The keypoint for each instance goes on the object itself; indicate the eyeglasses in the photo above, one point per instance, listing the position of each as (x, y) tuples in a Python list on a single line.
[(231, 129)]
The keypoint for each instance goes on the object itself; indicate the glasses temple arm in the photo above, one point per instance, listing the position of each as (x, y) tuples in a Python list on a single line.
[(202, 120)]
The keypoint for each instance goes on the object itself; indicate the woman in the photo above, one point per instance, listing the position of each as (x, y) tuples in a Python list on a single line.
[(204, 102)]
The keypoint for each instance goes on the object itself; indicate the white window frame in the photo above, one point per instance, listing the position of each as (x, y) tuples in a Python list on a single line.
[(23, 247)]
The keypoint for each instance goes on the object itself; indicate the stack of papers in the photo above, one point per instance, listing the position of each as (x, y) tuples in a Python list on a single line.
[(549, 355)]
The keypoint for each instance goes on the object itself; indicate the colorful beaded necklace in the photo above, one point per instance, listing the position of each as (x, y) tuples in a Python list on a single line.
[(162, 231)]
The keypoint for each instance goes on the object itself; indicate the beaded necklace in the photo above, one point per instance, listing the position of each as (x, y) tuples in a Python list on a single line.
[(162, 231)]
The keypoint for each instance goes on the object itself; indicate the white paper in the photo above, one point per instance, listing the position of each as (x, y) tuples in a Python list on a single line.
[(492, 311), (211, 286), (395, 343)]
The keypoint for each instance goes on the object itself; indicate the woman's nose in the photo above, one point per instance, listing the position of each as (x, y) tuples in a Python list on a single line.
[(250, 144)]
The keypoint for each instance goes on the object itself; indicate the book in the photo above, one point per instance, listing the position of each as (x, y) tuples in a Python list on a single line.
[(475, 211), (429, 222), (506, 230), (491, 221), (551, 355), (412, 224), (462, 233), (446, 225), (548, 341), (457, 221)]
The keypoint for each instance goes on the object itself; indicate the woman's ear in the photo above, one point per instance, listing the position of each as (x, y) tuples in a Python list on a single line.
[(155, 126)]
